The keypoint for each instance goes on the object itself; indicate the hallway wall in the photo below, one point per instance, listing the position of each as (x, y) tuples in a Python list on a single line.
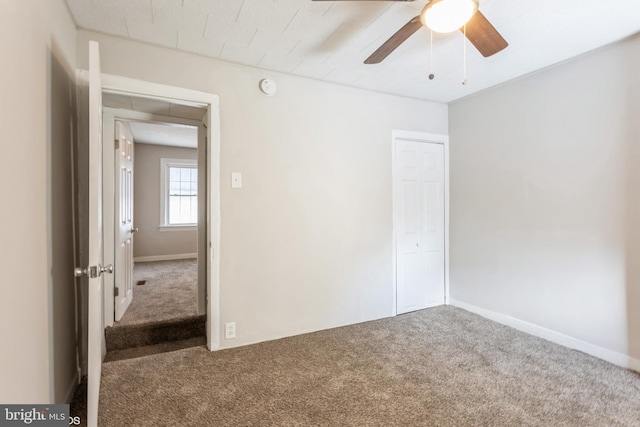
[(150, 241)]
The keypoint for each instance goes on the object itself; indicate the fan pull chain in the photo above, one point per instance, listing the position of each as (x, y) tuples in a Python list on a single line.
[(431, 75), (464, 56)]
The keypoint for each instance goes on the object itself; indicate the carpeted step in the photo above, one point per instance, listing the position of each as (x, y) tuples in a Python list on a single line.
[(148, 350), (152, 333)]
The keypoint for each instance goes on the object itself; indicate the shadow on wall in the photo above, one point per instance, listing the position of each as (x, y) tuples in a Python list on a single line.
[(632, 225), (60, 134), (632, 228)]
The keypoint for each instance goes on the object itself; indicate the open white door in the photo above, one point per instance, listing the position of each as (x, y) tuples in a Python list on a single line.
[(123, 174), (95, 269)]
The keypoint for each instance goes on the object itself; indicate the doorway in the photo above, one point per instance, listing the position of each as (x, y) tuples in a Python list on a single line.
[(420, 220), (158, 146), (140, 104)]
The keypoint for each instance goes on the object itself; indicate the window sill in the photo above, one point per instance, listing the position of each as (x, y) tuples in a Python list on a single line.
[(189, 227)]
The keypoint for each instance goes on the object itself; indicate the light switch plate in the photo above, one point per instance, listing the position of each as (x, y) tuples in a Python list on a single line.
[(236, 180)]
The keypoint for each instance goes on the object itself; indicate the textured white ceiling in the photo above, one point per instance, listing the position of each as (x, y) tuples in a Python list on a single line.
[(158, 132), (329, 40), (152, 106), (164, 134)]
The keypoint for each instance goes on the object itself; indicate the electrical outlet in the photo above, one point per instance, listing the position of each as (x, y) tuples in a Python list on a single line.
[(230, 330)]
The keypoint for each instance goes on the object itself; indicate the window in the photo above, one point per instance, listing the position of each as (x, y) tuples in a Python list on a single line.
[(179, 197)]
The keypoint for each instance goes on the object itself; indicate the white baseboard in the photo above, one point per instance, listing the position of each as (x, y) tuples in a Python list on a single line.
[(164, 257), (611, 356)]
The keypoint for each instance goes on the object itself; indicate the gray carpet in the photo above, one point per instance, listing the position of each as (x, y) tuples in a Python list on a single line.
[(436, 367), (170, 292)]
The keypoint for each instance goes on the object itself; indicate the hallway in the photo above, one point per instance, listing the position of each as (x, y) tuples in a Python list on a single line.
[(162, 290)]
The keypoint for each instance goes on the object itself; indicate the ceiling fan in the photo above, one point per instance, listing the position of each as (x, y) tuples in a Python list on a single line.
[(445, 16)]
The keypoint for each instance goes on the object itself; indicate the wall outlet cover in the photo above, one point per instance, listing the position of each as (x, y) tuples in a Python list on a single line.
[(230, 330)]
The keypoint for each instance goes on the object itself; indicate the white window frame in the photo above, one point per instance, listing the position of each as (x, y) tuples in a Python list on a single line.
[(165, 164)]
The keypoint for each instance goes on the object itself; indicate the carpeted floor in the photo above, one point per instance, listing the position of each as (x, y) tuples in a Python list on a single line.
[(170, 292), (436, 367)]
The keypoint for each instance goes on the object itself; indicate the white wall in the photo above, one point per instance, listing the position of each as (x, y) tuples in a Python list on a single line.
[(306, 243), (150, 241), (37, 310), (545, 201)]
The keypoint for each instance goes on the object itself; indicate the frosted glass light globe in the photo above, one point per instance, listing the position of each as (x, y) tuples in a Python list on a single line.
[(445, 16)]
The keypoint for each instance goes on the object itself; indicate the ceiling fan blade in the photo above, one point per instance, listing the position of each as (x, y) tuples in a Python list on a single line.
[(394, 41), (484, 36)]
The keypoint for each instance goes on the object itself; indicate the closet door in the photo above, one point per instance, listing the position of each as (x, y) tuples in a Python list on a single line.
[(419, 215)]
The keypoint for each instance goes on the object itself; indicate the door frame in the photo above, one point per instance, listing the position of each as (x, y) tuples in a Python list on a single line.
[(427, 138), (140, 88)]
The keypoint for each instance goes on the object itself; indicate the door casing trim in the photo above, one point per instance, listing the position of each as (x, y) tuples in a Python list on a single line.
[(140, 88)]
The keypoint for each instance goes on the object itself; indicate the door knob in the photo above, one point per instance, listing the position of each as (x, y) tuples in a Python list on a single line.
[(135, 230), (92, 271), (106, 269)]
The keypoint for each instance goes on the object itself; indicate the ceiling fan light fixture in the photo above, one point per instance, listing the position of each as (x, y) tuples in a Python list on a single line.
[(445, 16)]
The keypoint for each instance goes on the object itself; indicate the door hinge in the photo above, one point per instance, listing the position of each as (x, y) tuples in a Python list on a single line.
[(117, 144), (116, 292)]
